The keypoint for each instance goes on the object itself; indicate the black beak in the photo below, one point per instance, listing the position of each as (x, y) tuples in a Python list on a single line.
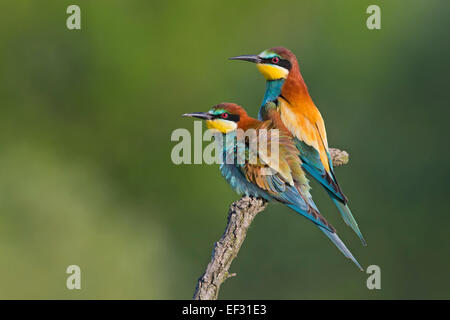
[(200, 115), (248, 57)]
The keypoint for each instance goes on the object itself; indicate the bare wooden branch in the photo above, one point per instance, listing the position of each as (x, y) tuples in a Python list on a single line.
[(339, 157), (240, 216)]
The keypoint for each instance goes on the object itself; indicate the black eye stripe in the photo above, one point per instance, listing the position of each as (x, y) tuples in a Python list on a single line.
[(231, 117), (282, 63)]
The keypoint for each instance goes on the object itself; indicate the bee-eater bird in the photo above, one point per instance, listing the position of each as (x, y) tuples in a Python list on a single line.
[(286, 183), (299, 115)]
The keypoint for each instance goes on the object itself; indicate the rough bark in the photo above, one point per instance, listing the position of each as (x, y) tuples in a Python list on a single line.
[(240, 215)]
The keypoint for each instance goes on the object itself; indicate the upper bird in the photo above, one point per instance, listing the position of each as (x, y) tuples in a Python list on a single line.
[(300, 116), (276, 176)]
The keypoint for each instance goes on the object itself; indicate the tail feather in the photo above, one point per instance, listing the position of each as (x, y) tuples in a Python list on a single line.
[(316, 218), (306, 207), (348, 218), (341, 246)]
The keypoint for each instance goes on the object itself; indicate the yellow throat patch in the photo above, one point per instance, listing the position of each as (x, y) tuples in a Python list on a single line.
[(223, 126), (271, 72)]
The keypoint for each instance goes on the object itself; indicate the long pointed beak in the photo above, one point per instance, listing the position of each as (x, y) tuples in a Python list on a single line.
[(248, 57), (200, 115)]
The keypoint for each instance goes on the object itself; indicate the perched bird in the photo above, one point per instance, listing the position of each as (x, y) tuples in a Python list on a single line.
[(271, 177), (299, 115)]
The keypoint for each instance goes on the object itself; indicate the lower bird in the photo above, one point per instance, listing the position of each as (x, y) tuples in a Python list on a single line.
[(279, 178)]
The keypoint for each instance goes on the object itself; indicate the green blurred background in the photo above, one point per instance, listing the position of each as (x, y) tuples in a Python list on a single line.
[(86, 176)]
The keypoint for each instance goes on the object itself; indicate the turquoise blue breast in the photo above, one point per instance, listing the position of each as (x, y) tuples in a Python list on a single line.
[(273, 90)]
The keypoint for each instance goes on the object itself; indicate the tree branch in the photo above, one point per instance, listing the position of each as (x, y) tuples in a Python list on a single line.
[(240, 216)]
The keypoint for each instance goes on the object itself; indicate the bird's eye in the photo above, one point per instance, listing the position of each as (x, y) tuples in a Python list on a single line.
[(275, 59), (224, 115)]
